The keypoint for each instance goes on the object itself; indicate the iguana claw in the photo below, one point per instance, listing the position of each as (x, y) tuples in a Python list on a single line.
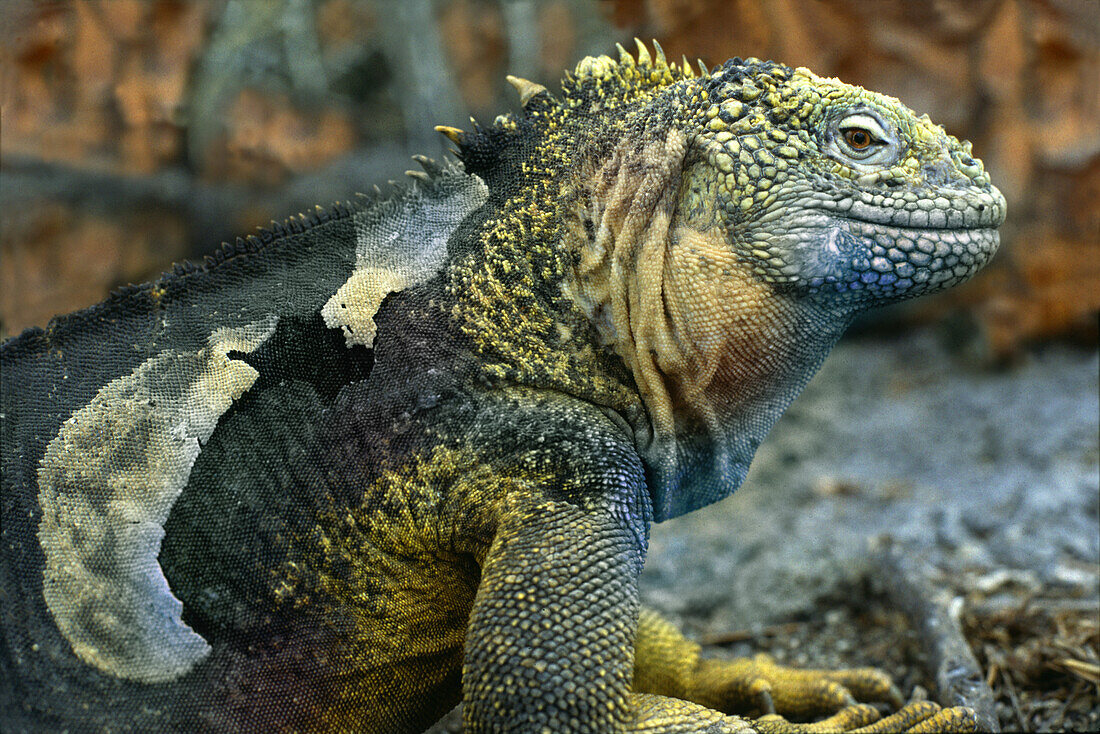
[(760, 684), (920, 716)]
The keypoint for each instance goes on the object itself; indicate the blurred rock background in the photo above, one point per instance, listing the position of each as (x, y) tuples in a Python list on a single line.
[(139, 132)]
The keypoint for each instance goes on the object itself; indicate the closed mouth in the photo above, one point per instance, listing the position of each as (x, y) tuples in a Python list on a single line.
[(984, 211), (915, 228)]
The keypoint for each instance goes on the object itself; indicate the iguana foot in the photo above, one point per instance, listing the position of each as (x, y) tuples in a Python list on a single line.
[(762, 686), (924, 717)]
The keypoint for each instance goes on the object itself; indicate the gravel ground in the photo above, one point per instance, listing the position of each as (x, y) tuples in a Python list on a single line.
[(988, 481), (971, 468)]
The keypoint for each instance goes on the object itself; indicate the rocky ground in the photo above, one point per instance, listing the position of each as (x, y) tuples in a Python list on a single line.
[(909, 493)]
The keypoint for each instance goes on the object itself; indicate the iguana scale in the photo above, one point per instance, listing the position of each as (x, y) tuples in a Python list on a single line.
[(406, 451)]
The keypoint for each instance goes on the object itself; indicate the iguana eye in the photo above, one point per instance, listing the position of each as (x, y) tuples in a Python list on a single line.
[(861, 138), (857, 138)]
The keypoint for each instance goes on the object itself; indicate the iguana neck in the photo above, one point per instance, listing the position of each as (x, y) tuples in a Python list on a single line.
[(717, 353)]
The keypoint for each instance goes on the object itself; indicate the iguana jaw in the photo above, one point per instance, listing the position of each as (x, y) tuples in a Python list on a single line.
[(856, 262)]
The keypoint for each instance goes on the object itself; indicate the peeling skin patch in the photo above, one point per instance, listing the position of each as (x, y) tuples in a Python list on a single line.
[(399, 244), (354, 305), (107, 483)]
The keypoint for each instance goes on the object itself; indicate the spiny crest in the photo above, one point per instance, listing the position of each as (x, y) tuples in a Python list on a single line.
[(433, 174), (645, 71), (599, 79), (526, 88), (266, 236)]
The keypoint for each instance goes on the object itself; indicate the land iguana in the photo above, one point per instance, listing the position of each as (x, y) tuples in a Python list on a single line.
[(406, 451)]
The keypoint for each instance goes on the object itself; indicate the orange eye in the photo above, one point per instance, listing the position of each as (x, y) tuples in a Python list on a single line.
[(858, 138)]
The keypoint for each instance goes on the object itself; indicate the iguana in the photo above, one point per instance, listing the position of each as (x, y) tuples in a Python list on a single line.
[(406, 451)]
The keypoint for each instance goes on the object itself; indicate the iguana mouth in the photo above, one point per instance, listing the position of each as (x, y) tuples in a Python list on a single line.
[(968, 243), (921, 228), (884, 260), (932, 211)]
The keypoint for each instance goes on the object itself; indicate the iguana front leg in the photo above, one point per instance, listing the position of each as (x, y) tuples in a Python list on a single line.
[(549, 641), (669, 664), (556, 640), (551, 646)]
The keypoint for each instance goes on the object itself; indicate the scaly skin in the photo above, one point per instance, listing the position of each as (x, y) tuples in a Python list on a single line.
[(408, 453)]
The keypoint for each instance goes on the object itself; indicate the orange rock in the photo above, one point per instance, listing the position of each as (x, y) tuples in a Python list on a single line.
[(473, 38), (268, 139), (57, 259)]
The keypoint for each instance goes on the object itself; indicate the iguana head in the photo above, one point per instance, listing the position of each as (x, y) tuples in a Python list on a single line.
[(829, 190), (728, 227)]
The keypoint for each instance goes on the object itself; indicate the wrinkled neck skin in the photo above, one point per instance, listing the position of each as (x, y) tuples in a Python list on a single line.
[(717, 353)]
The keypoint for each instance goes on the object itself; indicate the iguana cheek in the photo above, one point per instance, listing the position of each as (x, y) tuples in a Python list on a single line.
[(807, 247), (728, 322)]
